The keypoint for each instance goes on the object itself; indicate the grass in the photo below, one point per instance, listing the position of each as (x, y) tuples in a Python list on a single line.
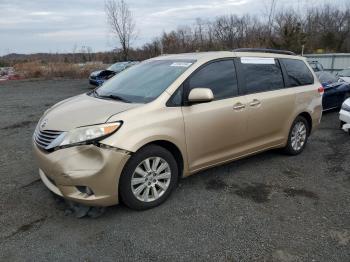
[(36, 69)]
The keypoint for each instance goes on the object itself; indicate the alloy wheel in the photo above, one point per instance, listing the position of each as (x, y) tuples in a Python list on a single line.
[(151, 179), (298, 137)]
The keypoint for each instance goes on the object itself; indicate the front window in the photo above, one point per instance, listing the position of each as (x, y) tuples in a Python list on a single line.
[(144, 82), (219, 76)]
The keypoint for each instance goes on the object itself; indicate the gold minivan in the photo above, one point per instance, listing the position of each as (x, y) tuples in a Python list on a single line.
[(131, 139)]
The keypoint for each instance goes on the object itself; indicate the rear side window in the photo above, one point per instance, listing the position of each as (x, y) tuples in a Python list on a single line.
[(298, 73), (261, 74), (219, 76)]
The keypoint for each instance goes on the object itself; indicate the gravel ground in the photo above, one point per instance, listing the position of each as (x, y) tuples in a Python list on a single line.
[(268, 207)]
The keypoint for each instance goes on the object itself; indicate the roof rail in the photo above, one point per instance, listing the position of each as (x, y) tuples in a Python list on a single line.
[(264, 50)]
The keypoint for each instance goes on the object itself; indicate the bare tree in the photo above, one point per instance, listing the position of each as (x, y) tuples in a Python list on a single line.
[(121, 21)]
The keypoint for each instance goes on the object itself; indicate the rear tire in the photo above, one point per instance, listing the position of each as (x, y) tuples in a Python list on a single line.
[(298, 136), (148, 178)]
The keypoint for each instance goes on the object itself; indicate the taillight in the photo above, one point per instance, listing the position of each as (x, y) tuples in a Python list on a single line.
[(321, 90)]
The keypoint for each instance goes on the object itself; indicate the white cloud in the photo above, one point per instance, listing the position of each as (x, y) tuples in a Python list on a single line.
[(214, 5), (71, 34), (41, 13)]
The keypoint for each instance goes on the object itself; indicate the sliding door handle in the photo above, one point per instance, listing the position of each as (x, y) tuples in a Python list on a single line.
[(255, 102)]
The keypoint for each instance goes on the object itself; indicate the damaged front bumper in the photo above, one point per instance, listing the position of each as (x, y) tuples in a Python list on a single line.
[(87, 174)]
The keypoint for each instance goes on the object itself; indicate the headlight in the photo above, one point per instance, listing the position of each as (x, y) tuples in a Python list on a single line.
[(89, 133), (345, 107)]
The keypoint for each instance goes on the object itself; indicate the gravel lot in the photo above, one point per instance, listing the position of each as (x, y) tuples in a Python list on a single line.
[(269, 207)]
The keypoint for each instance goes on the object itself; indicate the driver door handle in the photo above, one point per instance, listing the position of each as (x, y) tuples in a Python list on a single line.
[(238, 106), (255, 102)]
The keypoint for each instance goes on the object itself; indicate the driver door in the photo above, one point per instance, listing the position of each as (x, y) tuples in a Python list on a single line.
[(215, 131)]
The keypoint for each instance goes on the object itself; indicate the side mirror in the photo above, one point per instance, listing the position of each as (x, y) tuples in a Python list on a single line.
[(200, 95)]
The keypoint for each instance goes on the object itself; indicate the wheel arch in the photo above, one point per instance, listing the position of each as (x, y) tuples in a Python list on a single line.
[(308, 118), (173, 149)]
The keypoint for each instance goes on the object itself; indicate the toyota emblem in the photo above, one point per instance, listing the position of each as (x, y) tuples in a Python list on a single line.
[(43, 123)]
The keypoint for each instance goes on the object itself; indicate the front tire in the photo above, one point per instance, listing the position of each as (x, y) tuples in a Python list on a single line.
[(298, 136), (148, 178)]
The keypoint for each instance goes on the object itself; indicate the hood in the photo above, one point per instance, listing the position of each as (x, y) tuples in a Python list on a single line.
[(82, 110), (96, 73)]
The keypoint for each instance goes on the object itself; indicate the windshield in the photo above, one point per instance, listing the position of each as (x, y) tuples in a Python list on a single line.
[(144, 82), (117, 66), (345, 72)]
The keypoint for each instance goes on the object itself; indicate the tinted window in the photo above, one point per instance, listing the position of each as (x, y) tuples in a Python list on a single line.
[(144, 82), (219, 76), (261, 74), (298, 73)]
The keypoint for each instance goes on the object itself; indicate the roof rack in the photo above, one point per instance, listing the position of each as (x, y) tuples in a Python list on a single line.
[(264, 50)]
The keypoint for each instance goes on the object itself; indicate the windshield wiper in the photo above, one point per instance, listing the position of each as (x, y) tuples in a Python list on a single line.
[(114, 97)]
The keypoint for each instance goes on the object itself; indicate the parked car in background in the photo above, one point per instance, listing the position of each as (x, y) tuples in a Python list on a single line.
[(336, 90), (97, 78), (344, 74), (344, 116), (316, 66)]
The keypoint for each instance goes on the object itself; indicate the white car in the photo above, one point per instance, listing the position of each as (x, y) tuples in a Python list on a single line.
[(344, 115), (344, 74)]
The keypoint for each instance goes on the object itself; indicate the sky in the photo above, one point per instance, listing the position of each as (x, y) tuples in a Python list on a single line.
[(66, 25)]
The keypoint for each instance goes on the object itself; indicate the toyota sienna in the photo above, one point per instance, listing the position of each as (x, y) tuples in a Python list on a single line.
[(168, 117)]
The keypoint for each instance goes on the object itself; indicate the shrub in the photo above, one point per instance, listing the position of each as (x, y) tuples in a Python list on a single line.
[(36, 69)]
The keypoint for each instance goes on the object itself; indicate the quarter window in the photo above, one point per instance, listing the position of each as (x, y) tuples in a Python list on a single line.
[(298, 73), (219, 76), (261, 74)]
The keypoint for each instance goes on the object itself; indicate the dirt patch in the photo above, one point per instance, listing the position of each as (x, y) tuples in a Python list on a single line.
[(27, 227), (292, 172), (31, 183), (292, 192), (342, 237), (259, 193), (216, 184), (18, 125)]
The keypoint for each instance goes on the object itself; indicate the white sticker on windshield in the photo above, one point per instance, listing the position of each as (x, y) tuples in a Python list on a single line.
[(181, 64), (257, 60)]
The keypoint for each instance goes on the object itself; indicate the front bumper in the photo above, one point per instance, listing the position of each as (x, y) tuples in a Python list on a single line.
[(66, 170), (344, 116)]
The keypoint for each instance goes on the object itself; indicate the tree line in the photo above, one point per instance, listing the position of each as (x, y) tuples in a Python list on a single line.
[(322, 29)]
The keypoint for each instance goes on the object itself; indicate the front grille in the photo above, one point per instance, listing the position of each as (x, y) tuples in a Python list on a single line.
[(43, 138)]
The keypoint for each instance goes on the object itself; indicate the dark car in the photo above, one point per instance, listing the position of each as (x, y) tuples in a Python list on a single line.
[(336, 90), (98, 77)]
